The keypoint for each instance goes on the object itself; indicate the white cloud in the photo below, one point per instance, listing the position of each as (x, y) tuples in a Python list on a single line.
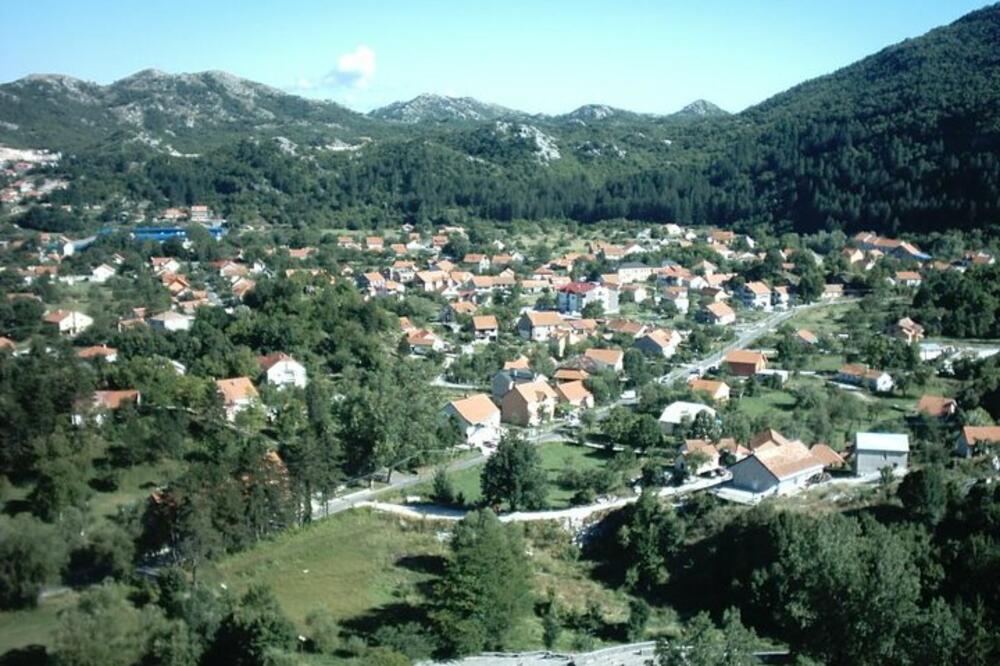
[(355, 69)]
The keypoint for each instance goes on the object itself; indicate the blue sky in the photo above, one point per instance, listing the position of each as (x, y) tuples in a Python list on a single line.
[(537, 56)]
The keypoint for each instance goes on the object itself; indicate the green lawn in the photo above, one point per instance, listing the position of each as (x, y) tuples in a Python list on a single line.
[(766, 400), (556, 457), (35, 626), (349, 564), (134, 485), (829, 319)]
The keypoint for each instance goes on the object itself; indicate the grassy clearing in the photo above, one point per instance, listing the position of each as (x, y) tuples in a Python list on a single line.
[(350, 564), (35, 626), (363, 565), (556, 458), (766, 400), (134, 485), (830, 319)]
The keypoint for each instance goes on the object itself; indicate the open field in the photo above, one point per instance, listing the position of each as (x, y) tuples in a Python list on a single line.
[(349, 564), (35, 626), (134, 485), (830, 319), (362, 565)]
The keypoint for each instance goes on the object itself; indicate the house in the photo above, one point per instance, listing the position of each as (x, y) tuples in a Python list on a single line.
[(68, 322), (373, 282), (674, 275), (680, 412), (832, 291), (874, 451), (775, 465), (242, 286), (485, 328), (876, 381), (102, 274), (528, 404), (171, 321), (717, 391), (907, 279), (745, 363), (638, 292), (109, 354), (7, 345), (478, 262), (697, 448), (421, 341), (403, 271), (867, 240), (937, 406), (973, 440), (102, 402), (661, 342), (574, 394), (678, 296), (575, 296), (626, 327), (477, 417), (781, 297), (430, 281), (200, 213), (827, 455), (631, 271), (238, 393), (756, 296), (511, 375), (705, 267), (282, 370), (301, 253), (717, 314), (538, 326), (909, 330), (852, 255), (163, 265), (571, 375), (606, 359), (806, 337), (453, 311)]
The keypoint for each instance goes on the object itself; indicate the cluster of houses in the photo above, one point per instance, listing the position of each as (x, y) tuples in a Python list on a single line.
[(236, 394), (773, 464)]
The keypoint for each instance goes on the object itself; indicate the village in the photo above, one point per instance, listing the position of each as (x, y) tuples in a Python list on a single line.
[(555, 349)]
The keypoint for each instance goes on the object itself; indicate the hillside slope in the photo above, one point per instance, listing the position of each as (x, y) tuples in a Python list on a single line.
[(906, 139)]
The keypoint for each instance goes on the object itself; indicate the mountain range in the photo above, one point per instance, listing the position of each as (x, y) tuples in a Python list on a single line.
[(186, 110), (907, 138)]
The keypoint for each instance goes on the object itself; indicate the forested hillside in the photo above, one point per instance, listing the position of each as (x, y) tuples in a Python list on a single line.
[(905, 140)]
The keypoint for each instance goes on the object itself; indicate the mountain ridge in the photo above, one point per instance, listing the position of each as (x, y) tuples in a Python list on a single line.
[(905, 139)]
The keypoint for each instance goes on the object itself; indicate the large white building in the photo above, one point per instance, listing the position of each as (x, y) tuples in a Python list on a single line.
[(874, 451), (775, 465), (171, 321), (678, 412), (68, 322), (575, 296)]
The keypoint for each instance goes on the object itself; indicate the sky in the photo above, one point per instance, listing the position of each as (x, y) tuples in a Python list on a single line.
[(542, 56)]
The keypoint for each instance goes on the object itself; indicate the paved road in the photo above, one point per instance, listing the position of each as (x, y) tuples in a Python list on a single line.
[(634, 654), (745, 337)]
